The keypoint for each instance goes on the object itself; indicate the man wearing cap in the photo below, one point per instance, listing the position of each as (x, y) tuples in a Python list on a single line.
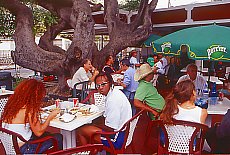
[(150, 60), (133, 60), (146, 96)]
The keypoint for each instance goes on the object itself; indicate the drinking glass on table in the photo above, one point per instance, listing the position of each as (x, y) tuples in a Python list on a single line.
[(74, 100), (57, 102), (3, 89), (70, 99), (221, 96), (198, 101)]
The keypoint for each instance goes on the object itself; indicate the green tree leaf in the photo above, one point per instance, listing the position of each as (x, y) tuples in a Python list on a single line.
[(130, 5), (42, 19)]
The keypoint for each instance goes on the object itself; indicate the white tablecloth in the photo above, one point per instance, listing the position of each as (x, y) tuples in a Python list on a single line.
[(68, 129), (213, 79), (220, 108)]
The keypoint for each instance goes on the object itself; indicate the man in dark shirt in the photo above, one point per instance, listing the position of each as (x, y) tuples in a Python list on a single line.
[(108, 68), (184, 60)]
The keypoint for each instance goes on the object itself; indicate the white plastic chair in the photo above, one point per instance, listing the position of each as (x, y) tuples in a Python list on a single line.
[(95, 98), (3, 102), (128, 128), (99, 100), (180, 137), (9, 140)]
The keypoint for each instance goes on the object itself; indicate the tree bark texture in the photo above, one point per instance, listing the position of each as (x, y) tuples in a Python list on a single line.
[(75, 14)]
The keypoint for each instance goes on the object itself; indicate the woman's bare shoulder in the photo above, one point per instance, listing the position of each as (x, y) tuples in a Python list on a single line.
[(20, 117)]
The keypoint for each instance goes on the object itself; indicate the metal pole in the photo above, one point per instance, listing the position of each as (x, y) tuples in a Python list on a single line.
[(169, 4), (102, 41)]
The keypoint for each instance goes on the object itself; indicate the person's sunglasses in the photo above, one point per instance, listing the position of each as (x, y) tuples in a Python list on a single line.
[(101, 85)]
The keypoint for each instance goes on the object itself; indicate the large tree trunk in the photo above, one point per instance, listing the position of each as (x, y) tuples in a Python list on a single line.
[(49, 58), (76, 14), (123, 35), (27, 53)]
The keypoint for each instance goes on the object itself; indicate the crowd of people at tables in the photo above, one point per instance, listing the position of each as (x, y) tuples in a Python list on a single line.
[(22, 111)]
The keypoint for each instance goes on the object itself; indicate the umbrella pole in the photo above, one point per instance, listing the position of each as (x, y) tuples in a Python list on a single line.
[(209, 80), (209, 73), (147, 52)]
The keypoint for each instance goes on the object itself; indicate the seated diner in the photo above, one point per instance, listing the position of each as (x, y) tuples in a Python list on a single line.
[(85, 73), (180, 104), (117, 113), (22, 115)]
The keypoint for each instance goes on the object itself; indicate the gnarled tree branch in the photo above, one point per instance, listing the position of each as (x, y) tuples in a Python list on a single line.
[(74, 14), (124, 34)]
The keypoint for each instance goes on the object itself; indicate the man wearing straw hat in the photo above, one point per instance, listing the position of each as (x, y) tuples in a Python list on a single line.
[(146, 96)]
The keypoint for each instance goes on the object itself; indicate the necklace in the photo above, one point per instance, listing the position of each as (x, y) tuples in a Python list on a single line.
[(188, 105)]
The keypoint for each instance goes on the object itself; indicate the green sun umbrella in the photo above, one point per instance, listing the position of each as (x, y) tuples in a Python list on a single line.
[(204, 43), (151, 38)]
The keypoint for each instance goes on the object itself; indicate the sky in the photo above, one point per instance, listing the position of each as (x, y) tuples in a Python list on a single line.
[(164, 3)]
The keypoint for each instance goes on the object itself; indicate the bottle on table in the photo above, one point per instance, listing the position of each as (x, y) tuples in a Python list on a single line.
[(205, 91), (213, 95), (205, 96), (221, 95)]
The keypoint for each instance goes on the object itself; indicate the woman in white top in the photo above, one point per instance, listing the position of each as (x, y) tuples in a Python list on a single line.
[(83, 74), (180, 104), (22, 115)]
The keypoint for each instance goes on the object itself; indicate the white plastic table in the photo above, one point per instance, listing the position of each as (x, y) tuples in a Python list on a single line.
[(221, 108), (6, 92), (213, 79), (218, 109), (68, 129), (203, 70)]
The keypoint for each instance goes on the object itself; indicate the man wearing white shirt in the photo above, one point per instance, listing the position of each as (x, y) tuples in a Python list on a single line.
[(117, 113), (83, 74), (164, 63), (159, 67), (198, 80), (133, 60), (158, 79)]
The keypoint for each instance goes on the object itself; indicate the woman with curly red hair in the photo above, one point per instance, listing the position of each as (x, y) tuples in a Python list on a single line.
[(22, 115)]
